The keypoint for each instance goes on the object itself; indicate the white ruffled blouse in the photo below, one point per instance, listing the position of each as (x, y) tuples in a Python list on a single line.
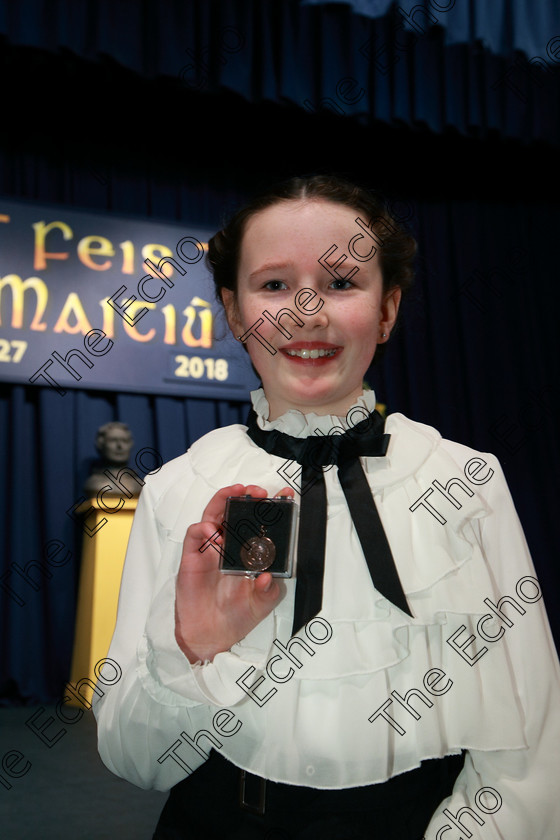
[(369, 692)]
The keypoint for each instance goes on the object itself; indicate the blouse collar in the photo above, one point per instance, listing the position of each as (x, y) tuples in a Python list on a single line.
[(297, 424)]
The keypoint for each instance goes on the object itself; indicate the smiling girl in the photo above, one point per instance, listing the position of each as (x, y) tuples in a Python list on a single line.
[(280, 256), (382, 727)]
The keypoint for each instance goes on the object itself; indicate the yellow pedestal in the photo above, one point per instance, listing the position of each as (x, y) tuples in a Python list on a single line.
[(100, 579)]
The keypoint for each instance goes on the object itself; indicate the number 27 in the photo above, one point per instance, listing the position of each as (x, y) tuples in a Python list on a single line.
[(19, 348)]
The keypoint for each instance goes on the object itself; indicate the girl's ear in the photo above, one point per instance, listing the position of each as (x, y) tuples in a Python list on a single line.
[(390, 309), (232, 312)]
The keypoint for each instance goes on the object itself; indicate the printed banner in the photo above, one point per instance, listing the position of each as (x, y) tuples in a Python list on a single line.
[(109, 303)]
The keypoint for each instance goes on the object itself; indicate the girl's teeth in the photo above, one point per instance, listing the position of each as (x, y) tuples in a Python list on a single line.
[(311, 354)]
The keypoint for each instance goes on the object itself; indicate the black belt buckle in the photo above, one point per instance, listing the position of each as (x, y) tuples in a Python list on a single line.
[(252, 788)]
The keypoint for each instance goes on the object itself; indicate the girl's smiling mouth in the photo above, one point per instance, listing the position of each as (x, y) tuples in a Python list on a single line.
[(310, 352)]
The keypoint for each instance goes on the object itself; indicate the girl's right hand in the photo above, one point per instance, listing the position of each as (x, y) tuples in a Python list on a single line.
[(213, 610)]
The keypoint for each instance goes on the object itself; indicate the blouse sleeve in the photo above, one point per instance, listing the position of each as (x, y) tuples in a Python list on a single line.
[(512, 794), (144, 717)]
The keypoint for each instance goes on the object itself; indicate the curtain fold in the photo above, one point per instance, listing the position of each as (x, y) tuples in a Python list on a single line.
[(49, 441), (505, 25), (475, 69)]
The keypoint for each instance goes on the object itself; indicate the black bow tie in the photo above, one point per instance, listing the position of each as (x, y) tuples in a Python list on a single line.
[(366, 438)]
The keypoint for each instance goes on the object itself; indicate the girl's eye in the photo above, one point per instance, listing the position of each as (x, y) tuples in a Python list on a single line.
[(345, 284), (274, 285)]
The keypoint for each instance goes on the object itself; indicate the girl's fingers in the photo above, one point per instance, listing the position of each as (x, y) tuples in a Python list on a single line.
[(256, 491), (214, 510), (264, 583), (202, 546), (286, 491)]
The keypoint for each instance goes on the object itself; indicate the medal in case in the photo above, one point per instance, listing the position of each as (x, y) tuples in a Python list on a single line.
[(259, 536)]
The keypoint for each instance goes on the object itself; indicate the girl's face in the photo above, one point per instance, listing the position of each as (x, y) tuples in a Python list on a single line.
[(280, 255)]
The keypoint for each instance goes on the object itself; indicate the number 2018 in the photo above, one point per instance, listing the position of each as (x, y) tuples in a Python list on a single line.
[(196, 367)]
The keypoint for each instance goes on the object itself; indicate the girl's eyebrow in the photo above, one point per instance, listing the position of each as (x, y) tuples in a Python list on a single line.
[(269, 267)]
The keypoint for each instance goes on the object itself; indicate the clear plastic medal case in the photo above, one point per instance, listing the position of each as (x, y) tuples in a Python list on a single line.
[(259, 536)]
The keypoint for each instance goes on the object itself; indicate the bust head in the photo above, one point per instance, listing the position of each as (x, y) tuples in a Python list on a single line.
[(114, 442)]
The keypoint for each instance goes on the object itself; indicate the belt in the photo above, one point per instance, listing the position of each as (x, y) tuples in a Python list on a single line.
[(219, 800), (431, 774), (252, 793)]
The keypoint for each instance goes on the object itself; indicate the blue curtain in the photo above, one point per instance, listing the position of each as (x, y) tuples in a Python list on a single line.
[(480, 68), (49, 444), (475, 355), (504, 25)]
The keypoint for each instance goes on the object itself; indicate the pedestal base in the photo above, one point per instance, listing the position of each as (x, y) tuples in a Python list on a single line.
[(100, 579)]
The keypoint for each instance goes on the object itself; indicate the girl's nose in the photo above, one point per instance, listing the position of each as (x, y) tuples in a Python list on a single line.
[(318, 319)]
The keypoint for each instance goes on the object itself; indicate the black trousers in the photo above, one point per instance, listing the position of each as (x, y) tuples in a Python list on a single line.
[(205, 806)]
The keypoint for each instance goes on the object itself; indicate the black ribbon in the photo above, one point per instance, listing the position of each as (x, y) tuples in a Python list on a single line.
[(366, 438)]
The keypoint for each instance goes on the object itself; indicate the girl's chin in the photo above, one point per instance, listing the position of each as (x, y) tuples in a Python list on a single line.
[(312, 386), (310, 393)]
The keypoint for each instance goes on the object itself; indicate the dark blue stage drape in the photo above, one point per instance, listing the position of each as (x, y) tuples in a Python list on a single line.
[(505, 25), (482, 68), (476, 353), (49, 444)]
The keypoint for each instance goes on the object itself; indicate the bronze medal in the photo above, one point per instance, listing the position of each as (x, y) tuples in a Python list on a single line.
[(259, 554)]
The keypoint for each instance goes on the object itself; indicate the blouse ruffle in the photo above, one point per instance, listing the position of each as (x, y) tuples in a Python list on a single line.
[(297, 424)]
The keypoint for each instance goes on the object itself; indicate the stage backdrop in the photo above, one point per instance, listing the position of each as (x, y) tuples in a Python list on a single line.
[(477, 355), (107, 303)]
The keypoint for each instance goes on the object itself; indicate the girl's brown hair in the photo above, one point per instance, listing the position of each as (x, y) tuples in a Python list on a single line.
[(396, 246)]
